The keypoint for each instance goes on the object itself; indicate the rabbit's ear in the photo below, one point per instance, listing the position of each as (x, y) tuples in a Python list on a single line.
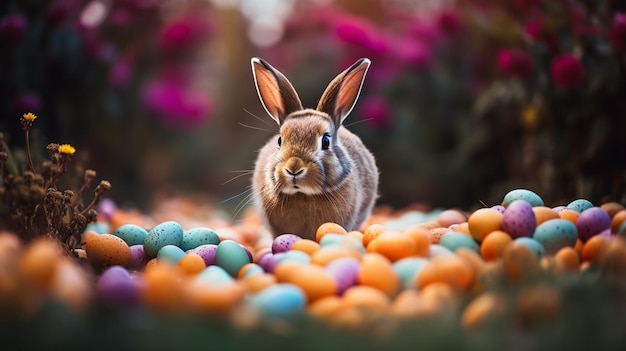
[(341, 94), (277, 95)]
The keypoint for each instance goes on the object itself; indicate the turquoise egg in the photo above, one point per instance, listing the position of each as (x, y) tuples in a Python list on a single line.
[(407, 269), (279, 300), (170, 253), (295, 256), (214, 276), (454, 241), (166, 233), (98, 227), (132, 234), (580, 205), (555, 234), (231, 256), (532, 244), (253, 269), (522, 194), (339, 239), (435, 250), (199, 236)]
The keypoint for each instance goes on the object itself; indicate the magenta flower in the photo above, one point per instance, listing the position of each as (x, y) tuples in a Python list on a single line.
[(450, 23), (376, 112), (515, 62), (568, 72), (527, 4), (617, 35), (28, 101), (413, 52), (361, 34), (12, 28), (57, 12), (536, 31), (183, 33), (121, 71)]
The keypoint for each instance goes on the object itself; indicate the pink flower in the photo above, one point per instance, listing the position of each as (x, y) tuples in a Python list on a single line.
[(515, 62), (12, 28), (376, 112), (568, 72), (360, 33), (536, 31), (121, 71), (527, 4), (413, 52), (175, 103), (183, 33), (450, 23), (57, 12), (617, 35), (28, 101)]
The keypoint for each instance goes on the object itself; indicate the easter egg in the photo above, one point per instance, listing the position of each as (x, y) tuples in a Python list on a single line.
[(207, 252), (450, 270), (345, 271), (283, 242), (294, 256), (484, 221), (250, 269), (449, 217), (407, 269), (307, 246), (556, 234), (493, 245), (279, 300), (522, 194), (532, 244), (170, 253), (328, 228), (132, 234), (331, 239), (376, 271), (519, 219), (138, 258), (190, 264), (214, 275), (543, 213), (166, 233), (592, 221), (314, 280), (618, 220), (580, 205), (612, 208), (498, 208), (117, 289), (107, 250), (393, 245), (454, 241), (199, 236), (231, 256)]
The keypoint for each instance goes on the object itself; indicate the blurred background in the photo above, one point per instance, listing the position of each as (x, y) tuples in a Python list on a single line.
[(464, 101)]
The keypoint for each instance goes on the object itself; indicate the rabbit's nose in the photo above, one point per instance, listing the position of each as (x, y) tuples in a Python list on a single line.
[(294, 167)]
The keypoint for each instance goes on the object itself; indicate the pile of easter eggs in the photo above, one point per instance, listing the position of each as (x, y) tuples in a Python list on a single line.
[(343, 279)]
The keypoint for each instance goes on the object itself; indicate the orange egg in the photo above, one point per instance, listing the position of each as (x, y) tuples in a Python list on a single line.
[(258, 282), (493, 245), (487, 308), (462, 228), (448, 269), (312, 279), (613, 258), (327, 254), (617, 220), (376, 271), (593, 248), (538, 304), (106, 250), (328, 228), (357, 235), (409, 305), (163, 289), (484, 221), (440, 295), (420, 238), (306, 245), (327, 307), (449, 217), (568, 258), (435, 234), (612, 208), (371, 233), (519, 262), (367, 297), (39, 261), (579, 247), (543, 213), (190, 264), (476, 262), (569, 215), (393, 245), (214, 300)]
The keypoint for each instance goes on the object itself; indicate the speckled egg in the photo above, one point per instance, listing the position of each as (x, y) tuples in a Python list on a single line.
[(522, 194), (454, 241), (231, 256), (166, 233), (199, 236), (279, 300), (106, 250), (555, 234), (592, 221), (138, 258), (132, 234), (345, 271), (171, 254), (207, 252), (519, 219), (580, 205), (282, 243), (533, 245)]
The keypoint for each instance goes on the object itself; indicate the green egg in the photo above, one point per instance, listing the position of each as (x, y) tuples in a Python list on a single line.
[(532, 244), (407, 269), (580, 205), (231, 257), (555, 234), (454, 241), (132, 234), (170, 253), (199, 236), (522, 194)]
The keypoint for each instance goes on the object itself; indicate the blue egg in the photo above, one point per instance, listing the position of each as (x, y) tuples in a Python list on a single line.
[(454, 241), (253, 269), (295, 256), (580, 205), (170, 253), (199, 236), (166, 233), (132, 234), (435, 250), (98, 227), (279, 300), (522, 194), (231, 256), (555, 234), (339, 239), (214, 276), (408, 268), (533, 245)]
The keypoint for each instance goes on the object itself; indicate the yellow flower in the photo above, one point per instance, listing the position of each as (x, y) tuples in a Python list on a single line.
[(67, 149), (29, 117)]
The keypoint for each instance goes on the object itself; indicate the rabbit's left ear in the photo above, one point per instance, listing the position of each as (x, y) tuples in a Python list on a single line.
[(341, 94), (277, 95)]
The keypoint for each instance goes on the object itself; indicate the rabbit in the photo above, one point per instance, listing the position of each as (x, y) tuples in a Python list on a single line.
[(315, 170)]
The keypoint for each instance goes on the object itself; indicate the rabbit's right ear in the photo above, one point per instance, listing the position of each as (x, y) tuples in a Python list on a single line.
[(277, 95)]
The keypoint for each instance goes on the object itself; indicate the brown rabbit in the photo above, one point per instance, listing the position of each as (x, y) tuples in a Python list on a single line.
[(315, 170)]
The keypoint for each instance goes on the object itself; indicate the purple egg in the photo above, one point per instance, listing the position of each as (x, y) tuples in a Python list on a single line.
[(250, 258), (272, 262), (345, 271), (207, 252), (116, 288), (498, 208), (282, 243), (592, 221), (519, 219), (138, 258)]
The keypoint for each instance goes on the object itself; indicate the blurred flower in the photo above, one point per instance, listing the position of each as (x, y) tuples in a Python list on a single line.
[(376, 112), (450, 23), (57, 12), (361, 34), (515, 62), (175, 103), (536, 31), (183, 32), (12, 28), (120, 17), (617, 35), (568, 72), (527, 4), (28, 101), (413, 53), (122, 71)]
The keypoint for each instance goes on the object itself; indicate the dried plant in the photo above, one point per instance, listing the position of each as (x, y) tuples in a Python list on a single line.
[(31, 203)]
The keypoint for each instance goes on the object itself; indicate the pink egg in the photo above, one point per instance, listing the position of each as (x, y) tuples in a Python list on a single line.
[(519, 219), (592, 221)]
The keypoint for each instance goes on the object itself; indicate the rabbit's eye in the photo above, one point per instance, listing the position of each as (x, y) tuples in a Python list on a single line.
[(280, 141), (325, 141)]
